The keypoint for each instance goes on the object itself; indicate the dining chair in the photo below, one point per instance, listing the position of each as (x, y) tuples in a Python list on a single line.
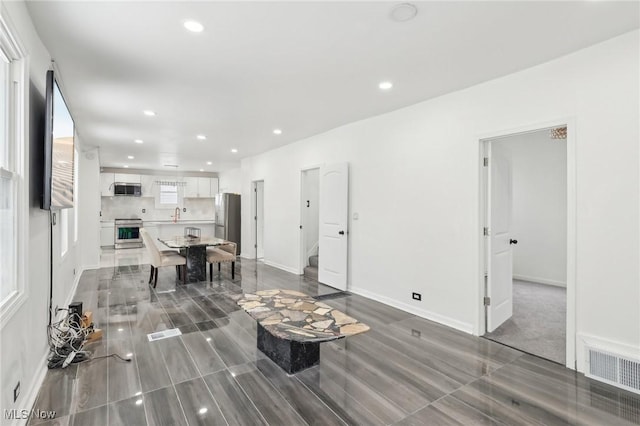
[(163, 258), (223, 253)]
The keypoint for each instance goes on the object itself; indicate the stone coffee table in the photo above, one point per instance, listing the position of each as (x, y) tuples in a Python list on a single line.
[(291, 326)]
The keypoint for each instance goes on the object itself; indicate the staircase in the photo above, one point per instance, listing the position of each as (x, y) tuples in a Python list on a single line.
[(311, 271)]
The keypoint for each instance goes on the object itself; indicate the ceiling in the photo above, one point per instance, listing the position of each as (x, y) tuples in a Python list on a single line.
[(303, 67)]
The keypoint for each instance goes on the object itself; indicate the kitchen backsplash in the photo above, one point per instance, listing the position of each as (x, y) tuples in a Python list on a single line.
[(131, 207)]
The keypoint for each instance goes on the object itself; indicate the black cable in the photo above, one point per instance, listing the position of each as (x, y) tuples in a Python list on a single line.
[(114, 355), (50, 264)]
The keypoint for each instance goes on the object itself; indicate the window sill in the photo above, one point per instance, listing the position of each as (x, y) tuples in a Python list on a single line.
[(10, 306)]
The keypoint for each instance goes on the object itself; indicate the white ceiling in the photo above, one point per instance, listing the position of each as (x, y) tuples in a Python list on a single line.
[(304, 67)]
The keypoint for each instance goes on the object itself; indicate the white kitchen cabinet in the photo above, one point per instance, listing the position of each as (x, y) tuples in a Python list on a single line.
[(106, 184), (147, 183), (199, 187), (107, 237), (204, 187), (190, 187), (126, 178), (214, 186)]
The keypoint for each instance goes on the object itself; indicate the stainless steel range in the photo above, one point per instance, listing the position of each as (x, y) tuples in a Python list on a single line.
[(127, 233)]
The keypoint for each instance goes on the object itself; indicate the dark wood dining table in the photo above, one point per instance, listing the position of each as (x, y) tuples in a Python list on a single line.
[(194, 249)]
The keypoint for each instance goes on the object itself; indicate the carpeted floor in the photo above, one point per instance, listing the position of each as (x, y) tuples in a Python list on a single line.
[(538, 324)]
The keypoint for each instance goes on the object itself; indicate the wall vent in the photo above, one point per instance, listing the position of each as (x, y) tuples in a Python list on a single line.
[(613, 369)]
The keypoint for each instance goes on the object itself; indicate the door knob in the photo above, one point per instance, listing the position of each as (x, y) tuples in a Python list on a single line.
[(341, 232), (513, 241)]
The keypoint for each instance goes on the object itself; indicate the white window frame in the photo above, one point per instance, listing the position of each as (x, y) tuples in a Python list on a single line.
[(76, 198), (64, 232), (11, 48)]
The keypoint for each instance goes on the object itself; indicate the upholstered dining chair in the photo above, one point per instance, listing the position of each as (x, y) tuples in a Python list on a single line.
[(224, 253), (163, 258)]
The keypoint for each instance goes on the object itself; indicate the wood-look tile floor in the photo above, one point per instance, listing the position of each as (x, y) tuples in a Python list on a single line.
[(406, 370)]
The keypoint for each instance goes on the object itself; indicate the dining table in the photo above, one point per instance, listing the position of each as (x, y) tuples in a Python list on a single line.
[(194, 249)]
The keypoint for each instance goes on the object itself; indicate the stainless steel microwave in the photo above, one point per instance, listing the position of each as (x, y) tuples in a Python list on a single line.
[(127, 189)]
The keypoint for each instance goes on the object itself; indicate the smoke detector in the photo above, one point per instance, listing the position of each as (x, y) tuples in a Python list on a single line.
[(403, 12)]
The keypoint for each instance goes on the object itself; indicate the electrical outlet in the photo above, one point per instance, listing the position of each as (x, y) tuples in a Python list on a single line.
[(184, 210), (416, 296), (16, 392), (144, 210)]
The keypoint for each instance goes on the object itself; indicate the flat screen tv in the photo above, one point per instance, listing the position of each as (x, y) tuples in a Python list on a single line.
[(58, 149)]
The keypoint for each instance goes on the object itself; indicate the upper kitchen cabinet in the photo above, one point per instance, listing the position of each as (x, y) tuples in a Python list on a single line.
[(214, 186), (200, 187), (148, 184), (126, 178), (106, 184)]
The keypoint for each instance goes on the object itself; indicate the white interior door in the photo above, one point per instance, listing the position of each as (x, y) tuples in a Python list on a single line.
[(260, 219), (334, 215), (500, 266)]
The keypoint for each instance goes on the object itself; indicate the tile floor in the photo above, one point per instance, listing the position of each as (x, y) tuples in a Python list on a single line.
[(405, 370)]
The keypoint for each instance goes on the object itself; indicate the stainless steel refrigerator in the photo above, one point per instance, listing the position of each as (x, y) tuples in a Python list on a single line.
[(227, 211)]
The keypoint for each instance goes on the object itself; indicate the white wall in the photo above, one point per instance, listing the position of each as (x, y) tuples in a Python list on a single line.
[(23, 336), (89, 208), (231, 181), (415, 184), (539, 213)]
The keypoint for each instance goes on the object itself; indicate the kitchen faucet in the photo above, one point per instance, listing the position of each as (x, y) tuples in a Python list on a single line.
[(176, 216)]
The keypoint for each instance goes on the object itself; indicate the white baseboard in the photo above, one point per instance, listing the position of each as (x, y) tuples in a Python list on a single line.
[(88, 267), (441, 319), (32, 391), (283, 267), (587, 340), (540, 280)]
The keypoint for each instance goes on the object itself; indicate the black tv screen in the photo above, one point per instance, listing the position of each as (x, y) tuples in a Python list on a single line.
[(58, 149)]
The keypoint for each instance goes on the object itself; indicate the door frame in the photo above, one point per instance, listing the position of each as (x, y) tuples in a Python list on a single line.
[(254, 213), (301, 240), (484, 140)]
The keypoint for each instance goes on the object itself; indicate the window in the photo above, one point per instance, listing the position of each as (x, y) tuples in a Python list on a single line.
[(7, 192), (168, 194), (76, 203), (13, 193)]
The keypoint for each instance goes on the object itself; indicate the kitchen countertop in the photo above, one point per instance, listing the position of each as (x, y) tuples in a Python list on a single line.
[(168, 222)]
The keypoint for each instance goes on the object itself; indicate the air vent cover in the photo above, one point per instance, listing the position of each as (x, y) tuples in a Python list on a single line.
[(164, 334), (614, 369)]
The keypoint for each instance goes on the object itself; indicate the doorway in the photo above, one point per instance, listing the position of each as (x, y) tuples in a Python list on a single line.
[(310, 222), (527, 249), (258, 218)]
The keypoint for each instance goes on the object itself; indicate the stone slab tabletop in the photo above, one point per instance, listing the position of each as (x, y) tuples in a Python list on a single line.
[(296, 316)]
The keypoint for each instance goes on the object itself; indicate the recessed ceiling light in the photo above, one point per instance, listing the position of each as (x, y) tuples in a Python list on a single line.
[(201, 137), (138, 141), (126, 167), (277, 131), (385, 85), (209, 163), (193, 26), (403, 12), (148, 113), (130, 157), (234, 150)]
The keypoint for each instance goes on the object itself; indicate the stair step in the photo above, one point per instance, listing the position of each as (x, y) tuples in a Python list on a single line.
[(313, 260), (311, 272)]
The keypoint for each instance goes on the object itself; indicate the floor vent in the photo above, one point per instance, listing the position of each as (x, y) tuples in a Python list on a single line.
[(614, 369), (159, 335)]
